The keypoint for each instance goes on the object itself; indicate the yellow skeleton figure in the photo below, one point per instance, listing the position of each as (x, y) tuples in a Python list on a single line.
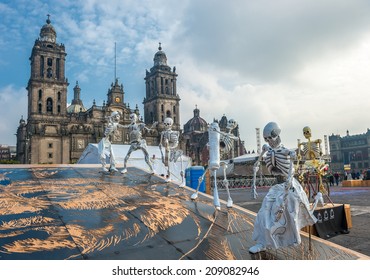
[(309, 158)]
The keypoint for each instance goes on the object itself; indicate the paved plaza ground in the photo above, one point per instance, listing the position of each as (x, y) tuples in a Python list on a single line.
[(73, 212)]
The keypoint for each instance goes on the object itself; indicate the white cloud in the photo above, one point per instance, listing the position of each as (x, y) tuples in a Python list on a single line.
[(13, 105), (298, 64)]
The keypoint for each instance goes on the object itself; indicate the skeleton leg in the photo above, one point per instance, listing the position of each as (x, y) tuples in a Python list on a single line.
[(181, 172), (173, 158), (147, 160), (226, 183), (101, 150), (200, 180), (216, 200), (318, 199), (112, 167), (168, 155), (124, 170)]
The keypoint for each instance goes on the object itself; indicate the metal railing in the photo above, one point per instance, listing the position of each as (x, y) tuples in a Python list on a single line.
[(240, 183)]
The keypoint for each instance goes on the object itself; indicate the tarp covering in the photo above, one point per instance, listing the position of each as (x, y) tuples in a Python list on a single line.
[(91, 156)]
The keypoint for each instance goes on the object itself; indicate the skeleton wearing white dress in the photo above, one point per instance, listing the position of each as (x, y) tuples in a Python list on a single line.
[(285, 208), (218, 142), (170, 141), (137, 142), (105, 143)]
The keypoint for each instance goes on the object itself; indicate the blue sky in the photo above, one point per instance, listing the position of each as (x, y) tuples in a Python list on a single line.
[(297, 63)]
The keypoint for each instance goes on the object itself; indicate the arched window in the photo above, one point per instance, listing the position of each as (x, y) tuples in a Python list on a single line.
[(168, 114), (49, 105), (40, 108), (40, 94), (162, 108), (59, 95), (58, 108), (174, 109)]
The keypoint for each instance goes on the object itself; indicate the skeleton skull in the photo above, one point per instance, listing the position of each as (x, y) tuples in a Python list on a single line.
[(231, 124), (168, 122), (307, 132), (115, 116), (133, 118), (271, 134)]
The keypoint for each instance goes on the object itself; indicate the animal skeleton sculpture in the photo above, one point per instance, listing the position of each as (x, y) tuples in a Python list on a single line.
[(105, 143), (218, 142), (137, 142), (285, 208), (170, 141)]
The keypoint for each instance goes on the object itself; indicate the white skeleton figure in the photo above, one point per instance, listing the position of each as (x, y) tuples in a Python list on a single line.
[(216, 137), (105, 143), (137, 142), (227, 139), (170, 141), (285, 208)]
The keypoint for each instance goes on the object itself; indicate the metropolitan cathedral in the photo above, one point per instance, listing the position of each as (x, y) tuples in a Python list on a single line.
[(56, 133)]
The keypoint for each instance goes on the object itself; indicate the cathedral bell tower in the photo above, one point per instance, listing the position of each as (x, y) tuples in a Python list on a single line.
[(47, 86), (161, 100), (47, 100)]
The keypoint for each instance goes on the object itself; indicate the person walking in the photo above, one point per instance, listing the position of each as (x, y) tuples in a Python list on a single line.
[(336, 177)]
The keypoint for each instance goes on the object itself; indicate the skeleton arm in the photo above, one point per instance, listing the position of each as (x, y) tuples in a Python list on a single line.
[(292, 156), (256, 167), (150, 128), (160, 148)]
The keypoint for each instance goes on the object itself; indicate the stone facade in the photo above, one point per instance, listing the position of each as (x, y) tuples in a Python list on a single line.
[(161, 100), (352, 151), (195, 139), (57, 134)]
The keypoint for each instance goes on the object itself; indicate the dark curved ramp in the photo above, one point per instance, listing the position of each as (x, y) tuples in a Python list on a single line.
[(76, 212)]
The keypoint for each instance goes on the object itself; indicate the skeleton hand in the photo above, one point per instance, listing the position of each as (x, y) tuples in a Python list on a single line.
[(292, 154), (256, 166)]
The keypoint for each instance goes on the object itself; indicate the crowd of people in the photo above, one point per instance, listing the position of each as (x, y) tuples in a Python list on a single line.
[(333, 179)]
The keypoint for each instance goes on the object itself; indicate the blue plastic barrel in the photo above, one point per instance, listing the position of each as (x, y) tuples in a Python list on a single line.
[(192, 175)]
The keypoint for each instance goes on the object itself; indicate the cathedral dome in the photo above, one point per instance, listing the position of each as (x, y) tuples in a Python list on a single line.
[(196, 124), (48, 32), (77, 105), (160, 57), (76, 108)]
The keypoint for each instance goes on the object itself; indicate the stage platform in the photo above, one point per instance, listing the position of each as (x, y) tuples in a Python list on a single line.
[(356, 183), (76, 212)]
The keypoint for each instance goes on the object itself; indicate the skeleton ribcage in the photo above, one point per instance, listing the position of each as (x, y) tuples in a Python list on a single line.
[(172, 137), (278, 162), (312, 151), (226, 144)]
